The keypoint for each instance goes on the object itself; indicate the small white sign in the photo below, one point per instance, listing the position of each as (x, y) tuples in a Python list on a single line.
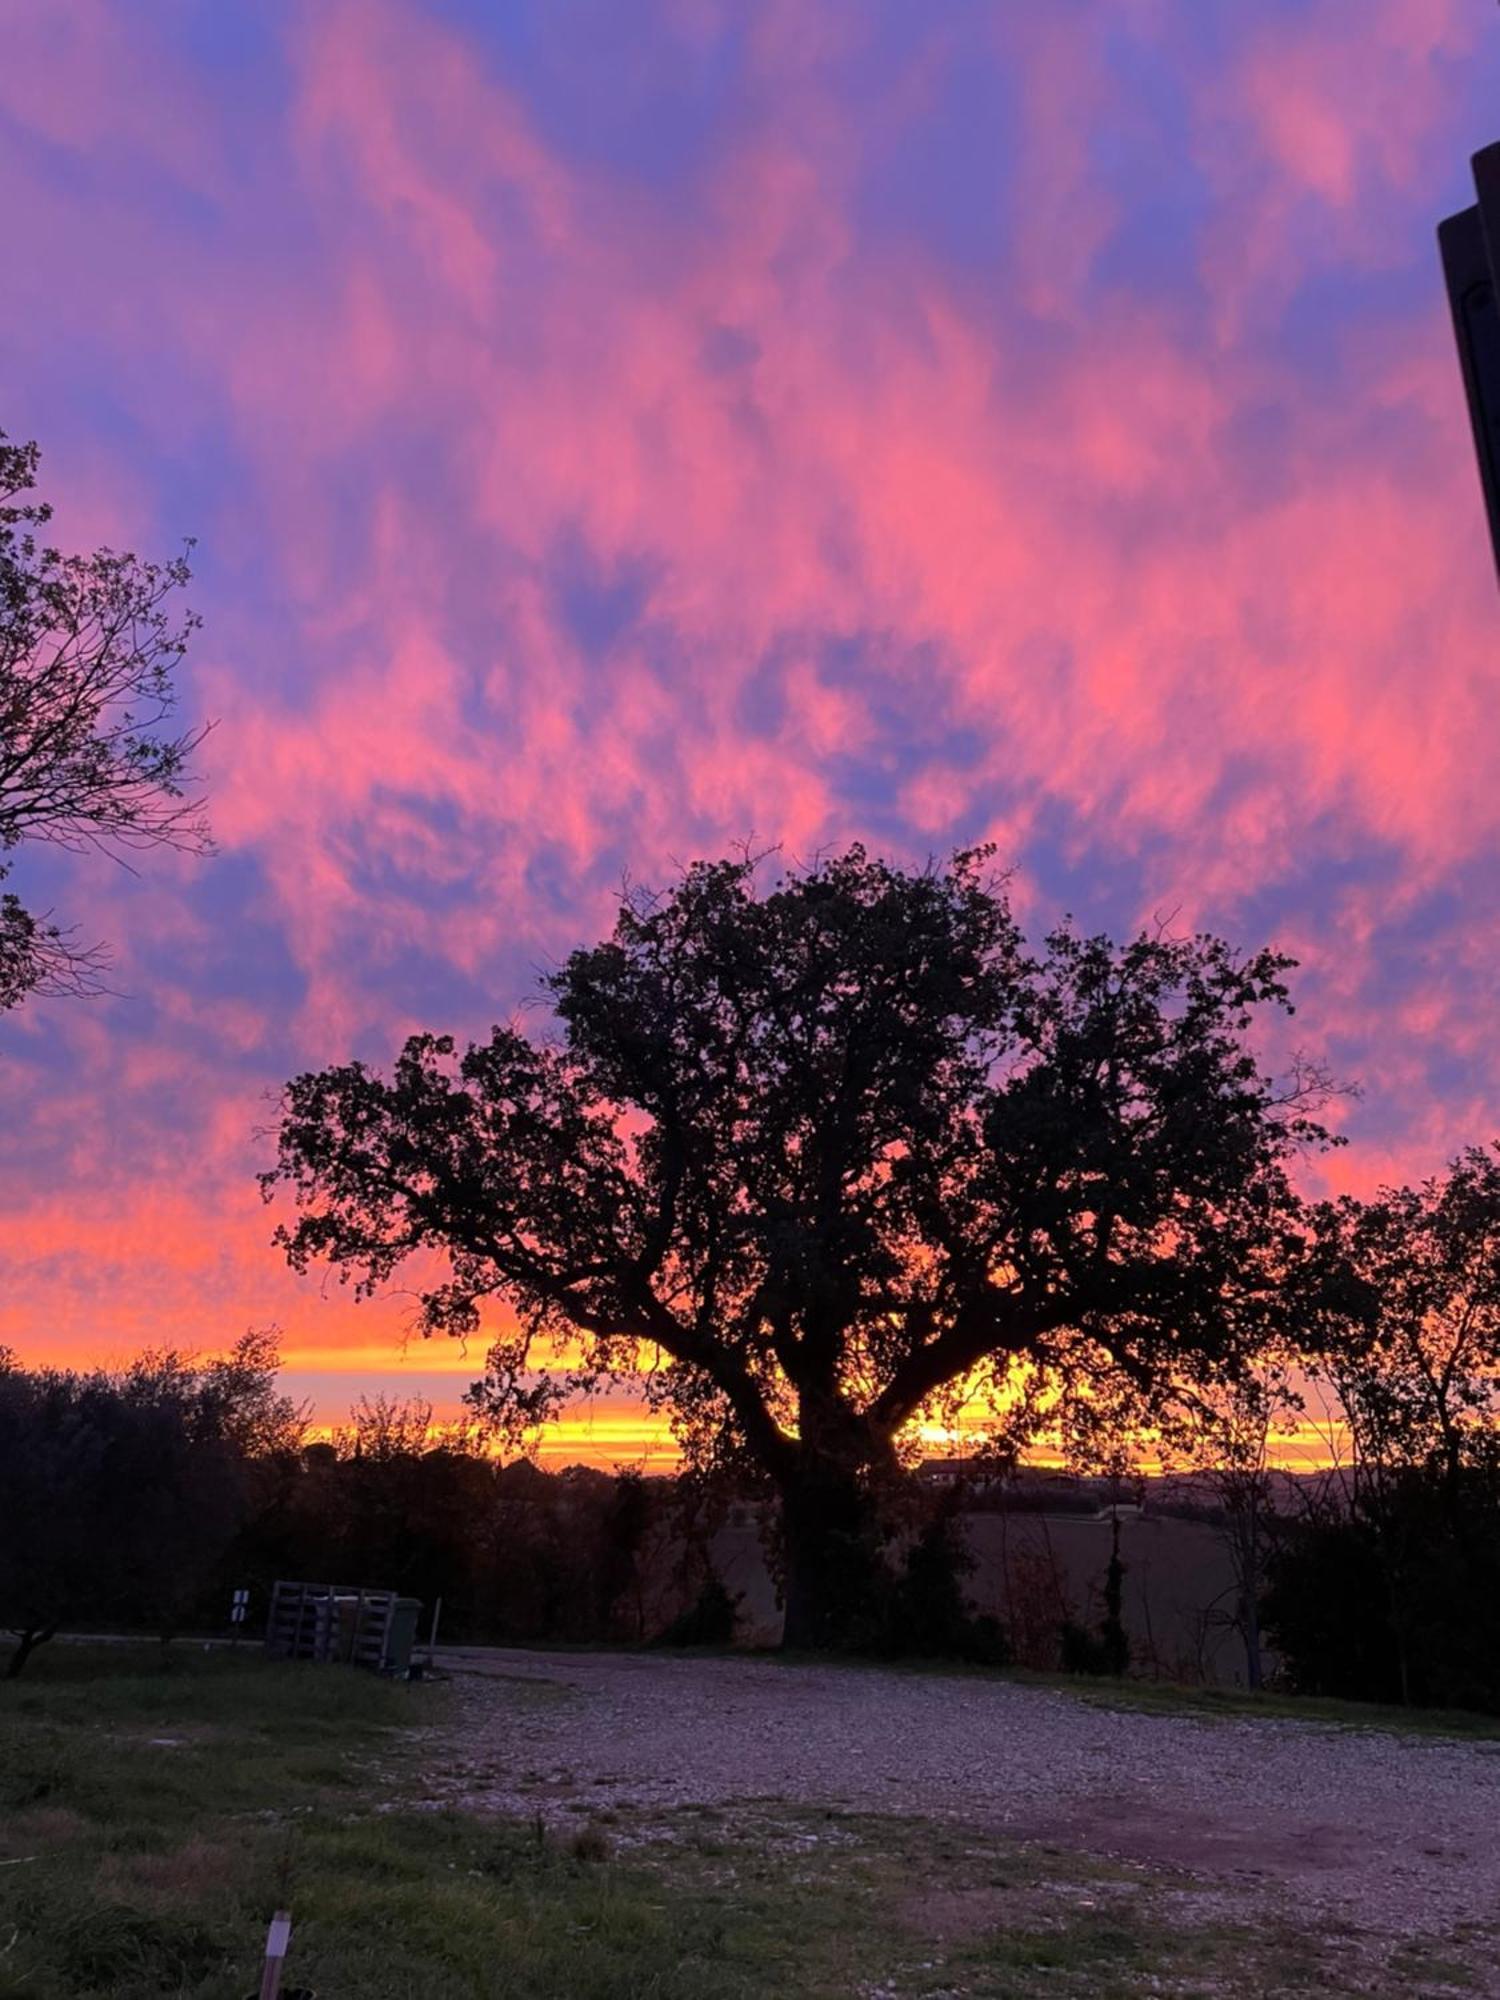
[(279, 1936)]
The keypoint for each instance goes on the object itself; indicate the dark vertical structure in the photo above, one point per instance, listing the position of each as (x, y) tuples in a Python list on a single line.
[(1470, 243)]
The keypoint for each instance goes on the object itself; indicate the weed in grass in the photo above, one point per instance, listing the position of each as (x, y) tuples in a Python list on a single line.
[(110, 1947), (1426, 1966), (1237, 1704), (33, 1776), (589, 1844), (194, 1874)]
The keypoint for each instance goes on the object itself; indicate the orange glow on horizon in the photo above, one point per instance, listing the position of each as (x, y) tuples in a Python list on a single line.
[(618, 1432)]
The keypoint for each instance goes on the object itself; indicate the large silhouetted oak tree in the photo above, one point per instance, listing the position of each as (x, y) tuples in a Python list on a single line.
[(814, 1155)]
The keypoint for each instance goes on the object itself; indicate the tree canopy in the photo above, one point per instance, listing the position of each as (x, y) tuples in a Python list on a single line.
[(1414, 1359), (88, 754), (1390, 1588), (813, 1156), (121, 1490)]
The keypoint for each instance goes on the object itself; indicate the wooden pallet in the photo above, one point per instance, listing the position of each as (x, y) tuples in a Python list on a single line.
[(331, 1622)]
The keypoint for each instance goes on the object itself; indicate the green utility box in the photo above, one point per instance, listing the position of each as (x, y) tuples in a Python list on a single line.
[(401, 1635)]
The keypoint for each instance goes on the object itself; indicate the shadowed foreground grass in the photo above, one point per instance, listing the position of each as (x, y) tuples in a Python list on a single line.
[(152, 1816)]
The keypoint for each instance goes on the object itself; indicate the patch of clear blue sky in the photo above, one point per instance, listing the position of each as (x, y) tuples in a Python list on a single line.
[(601, 604), (242, 950), (611, 87), (943, 179)]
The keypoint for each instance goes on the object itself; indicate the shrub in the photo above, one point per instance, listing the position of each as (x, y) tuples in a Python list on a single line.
[(929, 1614), (709, 1620), (1107, 1651)]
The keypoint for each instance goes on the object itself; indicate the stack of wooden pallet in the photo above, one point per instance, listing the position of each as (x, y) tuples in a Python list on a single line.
[(331, 1621)]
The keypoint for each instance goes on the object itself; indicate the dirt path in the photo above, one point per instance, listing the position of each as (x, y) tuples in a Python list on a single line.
[(1396, 1834)]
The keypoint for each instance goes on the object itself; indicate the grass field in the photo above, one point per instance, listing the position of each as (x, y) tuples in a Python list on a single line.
[(1270, 1704), (152, 1816), (1161, 1697)]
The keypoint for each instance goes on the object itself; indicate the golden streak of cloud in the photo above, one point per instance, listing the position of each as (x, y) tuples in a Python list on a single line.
[(618, 1432)]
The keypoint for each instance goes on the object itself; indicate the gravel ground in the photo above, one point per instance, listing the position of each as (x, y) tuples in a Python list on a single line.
[(1398, 1835)]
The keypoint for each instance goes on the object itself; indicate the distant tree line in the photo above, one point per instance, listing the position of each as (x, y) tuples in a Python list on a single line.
[(121, 1493), (139, 1499)]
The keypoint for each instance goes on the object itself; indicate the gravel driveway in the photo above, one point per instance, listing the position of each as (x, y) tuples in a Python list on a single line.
[(1396, 1834)]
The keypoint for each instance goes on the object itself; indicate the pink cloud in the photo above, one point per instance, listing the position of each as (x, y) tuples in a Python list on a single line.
[(1037, 552)]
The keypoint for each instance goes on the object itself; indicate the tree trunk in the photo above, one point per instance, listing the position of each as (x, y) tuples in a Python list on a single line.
[(26, 1644), (1254, 1664), (1253, 1565), (835, 1581)]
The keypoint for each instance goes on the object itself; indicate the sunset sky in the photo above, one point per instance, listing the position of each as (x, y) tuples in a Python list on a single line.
[(615, 428)]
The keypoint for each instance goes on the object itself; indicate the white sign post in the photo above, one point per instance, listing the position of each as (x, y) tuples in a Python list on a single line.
[(278, 1937)]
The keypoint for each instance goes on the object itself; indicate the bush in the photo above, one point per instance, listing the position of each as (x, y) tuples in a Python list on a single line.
[(1107, 1651), (1397, 1601), (929, 1615), (709, 1620), (1082, 1650), (1326, 1614)]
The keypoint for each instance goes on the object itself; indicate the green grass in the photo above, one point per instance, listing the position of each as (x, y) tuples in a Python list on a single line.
[(152, 1816), (1153, 1697), (1170, 1698)]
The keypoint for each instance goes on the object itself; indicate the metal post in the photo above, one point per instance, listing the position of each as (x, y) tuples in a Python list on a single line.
[(1486, 165), (1470, 244), (437, 1612)]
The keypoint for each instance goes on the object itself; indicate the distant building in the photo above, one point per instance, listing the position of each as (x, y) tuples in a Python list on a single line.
[(979, 1474)]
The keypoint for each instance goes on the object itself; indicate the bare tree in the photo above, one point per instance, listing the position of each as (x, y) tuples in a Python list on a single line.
[(89, 756), (1240, 1419)]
